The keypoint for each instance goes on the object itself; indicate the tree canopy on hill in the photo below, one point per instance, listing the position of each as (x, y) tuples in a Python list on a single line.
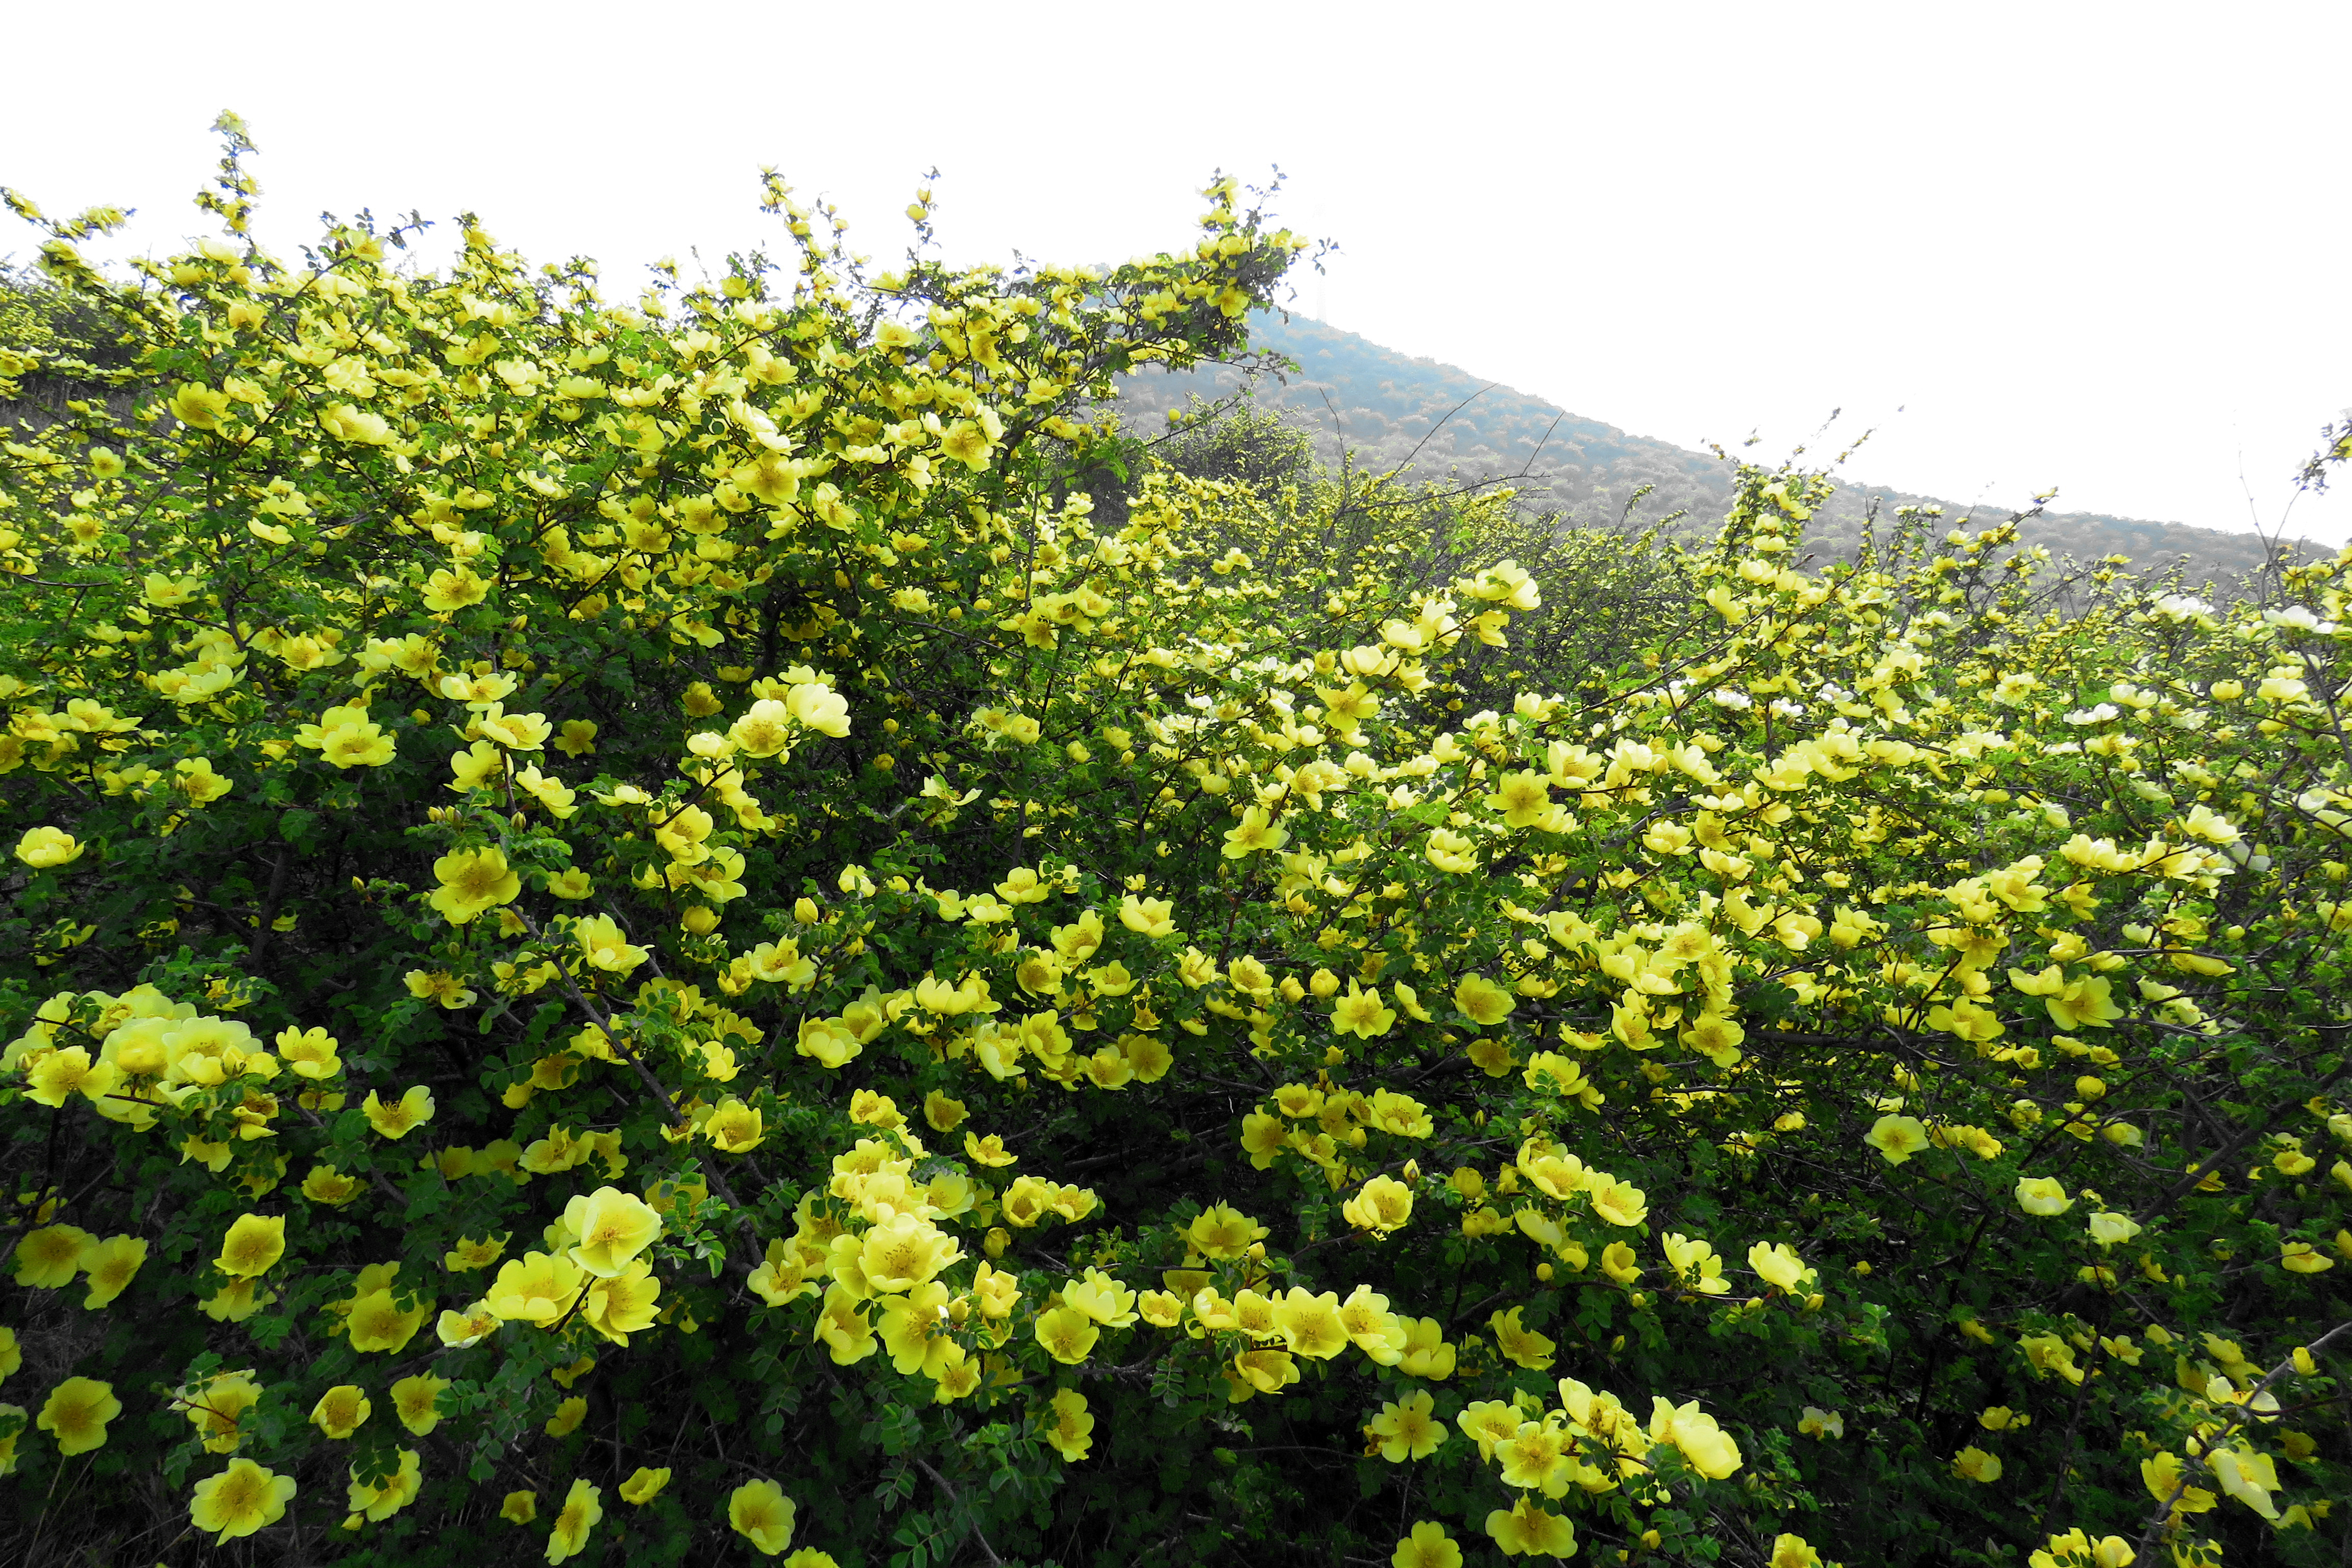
[(1382, 410)]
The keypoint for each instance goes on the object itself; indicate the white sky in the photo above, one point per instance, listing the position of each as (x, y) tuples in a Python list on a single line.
[(2094, 246)]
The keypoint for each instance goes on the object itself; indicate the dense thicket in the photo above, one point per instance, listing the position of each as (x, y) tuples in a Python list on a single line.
[(640, 931)]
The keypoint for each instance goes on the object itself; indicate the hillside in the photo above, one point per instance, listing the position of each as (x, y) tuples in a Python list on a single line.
[(1388, 410)]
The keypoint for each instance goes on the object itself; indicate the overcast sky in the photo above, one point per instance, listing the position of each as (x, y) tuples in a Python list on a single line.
[(2098, 247)]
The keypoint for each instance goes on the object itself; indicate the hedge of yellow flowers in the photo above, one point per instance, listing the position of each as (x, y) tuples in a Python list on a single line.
[(656, 931)]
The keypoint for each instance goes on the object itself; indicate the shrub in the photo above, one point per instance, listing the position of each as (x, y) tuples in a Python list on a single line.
[(632, 936)]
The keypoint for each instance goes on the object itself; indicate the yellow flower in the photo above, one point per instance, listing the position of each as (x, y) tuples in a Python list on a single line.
[(1450, 852), (252, 1248), (111, 1266), (195, 404), (1619, 1203), (416, 1401), (902, 1251), (375, 1323), (325, 1185), (1816, 1422), (341, 1411), (470, 1254), (989, 1151), (582, 1509), (1360, 1013), (819, 708), (762, 1514), (473, 881), (613, 1227), (60, 1075), (1481, 1001), (1101, 1298), (1257, 832), (1896, 1138), (1222, 1231), (1382, 1207), (1070, 1430), (449, 589), (1311, 1325), (1406, 1429), (76, 1411), (1259, 1372), (460, 1331), (194, 777), (1147, 917), (1427, 1547), (309, 1053), (1524, 1345), (1695, 1263), (1973, 1463), (1793, 1552), (536, 1288), (217, 1408), (605, 947), (1526, 1531), (1708, 1447), (2302, 1257), (735, 1128), (1524, 798), (2042, 1195), (1067, 1334), (49, 1257), (568, 1416), (644, 1486), (239, 1501), (44, 848), (438, 986), (519, 1507), (1778, 1266)]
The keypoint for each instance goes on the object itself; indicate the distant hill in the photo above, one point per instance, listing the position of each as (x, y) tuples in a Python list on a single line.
[(1389, 409)]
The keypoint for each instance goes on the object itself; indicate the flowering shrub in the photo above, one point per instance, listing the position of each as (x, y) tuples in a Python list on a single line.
[(631, 933)]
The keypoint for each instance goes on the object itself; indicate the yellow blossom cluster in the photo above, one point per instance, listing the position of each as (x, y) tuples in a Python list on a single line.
[(741, 901)]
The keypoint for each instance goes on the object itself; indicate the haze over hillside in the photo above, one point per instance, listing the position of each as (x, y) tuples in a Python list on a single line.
[(1387, 409)]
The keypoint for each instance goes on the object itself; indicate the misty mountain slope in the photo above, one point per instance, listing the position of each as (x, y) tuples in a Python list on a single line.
[(1386, 409)]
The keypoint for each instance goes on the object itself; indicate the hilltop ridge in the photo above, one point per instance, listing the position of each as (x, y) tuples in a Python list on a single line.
[(1381, 409)]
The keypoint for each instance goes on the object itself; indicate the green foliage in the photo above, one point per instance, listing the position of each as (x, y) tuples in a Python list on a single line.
[(774, 942)]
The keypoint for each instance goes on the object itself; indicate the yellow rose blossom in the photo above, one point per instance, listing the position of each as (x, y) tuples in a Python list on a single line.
[(760, 1514), (472, 882), (76, 1411), (1405, 1429), (1067, 1334), (2042, 1195), (1069, 1426), (583, 1508), (1523, 1529), (1896, 1138), (108, 1266), (1427, 1546), (399, 1117), (239, 1501), (47, 848), (341, 1411), (1383, 1207)]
